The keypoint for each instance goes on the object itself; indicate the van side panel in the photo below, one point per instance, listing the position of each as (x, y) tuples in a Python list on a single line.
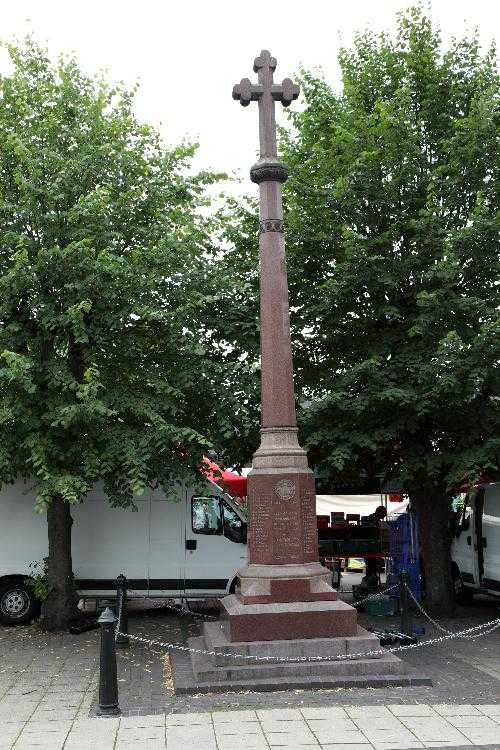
[(23, 533), (166, 541), (107, 541)]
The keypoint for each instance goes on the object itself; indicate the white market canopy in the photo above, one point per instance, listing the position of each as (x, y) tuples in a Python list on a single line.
[(362, 504)]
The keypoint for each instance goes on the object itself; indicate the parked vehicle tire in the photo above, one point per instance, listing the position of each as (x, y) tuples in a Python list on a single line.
[(18, 603), (463, 594)]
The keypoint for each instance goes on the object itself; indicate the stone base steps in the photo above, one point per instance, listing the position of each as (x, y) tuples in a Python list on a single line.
[(231, 653), (218, 665), (198, 675), (206, 670)]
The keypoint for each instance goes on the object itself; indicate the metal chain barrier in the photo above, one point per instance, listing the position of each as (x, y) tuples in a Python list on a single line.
[(376, 595), (186, 612), (119, 619), (426, 614), (492, 625), (440, 627)]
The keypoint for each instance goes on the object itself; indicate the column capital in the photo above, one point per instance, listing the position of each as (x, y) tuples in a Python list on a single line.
[(269, 169)]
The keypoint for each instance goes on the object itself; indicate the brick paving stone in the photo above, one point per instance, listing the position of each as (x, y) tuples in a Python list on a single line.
[(397, 744), (291, 745), (380, 737), (463, 709), (330, 735), (181, 744), (20, 715), (329, 713), (188, 719), (334, 725), (241, 742), (237, 727), (490, 709), (451, 744), (379, 724), (288, 732), (361, 712), (418, 709), (80, 742), (223, 717), (47, 727), (40, 743), (138, 734), (196, 735), (142, 722), (429, 729), (279, 714), (481, 736), (9, 732), (474, 722), (274, 725), (148, 744)]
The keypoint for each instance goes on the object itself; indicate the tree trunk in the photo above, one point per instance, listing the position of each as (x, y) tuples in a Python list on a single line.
[(433, 512), (60, 607)]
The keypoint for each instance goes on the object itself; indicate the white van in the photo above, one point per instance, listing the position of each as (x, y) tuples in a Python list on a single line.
[(475, 551), (181, 545)]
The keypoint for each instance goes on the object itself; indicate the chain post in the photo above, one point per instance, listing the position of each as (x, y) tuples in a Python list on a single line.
[(406, 615), (108, 682), (122, 640)]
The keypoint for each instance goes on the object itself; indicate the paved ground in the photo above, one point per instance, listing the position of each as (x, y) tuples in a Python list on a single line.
[(392, 727), (48, 691)]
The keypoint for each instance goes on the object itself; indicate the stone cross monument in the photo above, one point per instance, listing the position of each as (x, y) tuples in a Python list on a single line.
[(283, 543), (284, 610)]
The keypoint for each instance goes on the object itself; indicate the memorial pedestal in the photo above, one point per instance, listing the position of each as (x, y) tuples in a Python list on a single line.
[(217, 664)]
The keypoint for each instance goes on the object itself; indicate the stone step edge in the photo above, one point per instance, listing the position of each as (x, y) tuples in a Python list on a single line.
[(215, 634), (204, 666), (268, 684), (227, 653)]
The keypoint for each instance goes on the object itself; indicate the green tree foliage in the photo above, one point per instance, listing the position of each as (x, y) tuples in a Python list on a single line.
[(108, 370), (392, 215)]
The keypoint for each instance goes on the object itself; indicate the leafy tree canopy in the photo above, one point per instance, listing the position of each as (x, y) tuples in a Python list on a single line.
[(392, 216), (107, 367)]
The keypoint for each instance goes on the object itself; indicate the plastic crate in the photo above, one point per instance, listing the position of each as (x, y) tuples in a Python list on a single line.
[(379, 607)]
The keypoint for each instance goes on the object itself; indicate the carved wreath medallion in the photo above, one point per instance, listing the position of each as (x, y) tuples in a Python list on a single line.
[(271, 225), (285, 489)]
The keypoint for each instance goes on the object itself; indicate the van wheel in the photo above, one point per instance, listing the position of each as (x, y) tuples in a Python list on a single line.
[(18, 603), (463, 595)]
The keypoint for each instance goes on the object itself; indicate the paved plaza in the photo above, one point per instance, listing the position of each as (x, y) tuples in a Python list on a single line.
[(48, 697), (392, 727)]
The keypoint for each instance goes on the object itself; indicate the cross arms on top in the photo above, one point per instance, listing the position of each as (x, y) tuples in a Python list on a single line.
[(247, 92), (265, 65)]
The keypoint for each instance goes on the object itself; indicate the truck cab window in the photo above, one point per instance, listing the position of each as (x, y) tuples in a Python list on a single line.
[(234, 526), (206, 515)]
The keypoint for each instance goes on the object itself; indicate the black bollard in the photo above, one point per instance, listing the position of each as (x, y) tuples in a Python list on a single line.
[(108, 683), (404, 602), (121, 597)]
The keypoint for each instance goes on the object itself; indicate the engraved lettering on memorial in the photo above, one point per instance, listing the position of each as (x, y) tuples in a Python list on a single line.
[(261, 528), (287, 535), (310, 531)]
